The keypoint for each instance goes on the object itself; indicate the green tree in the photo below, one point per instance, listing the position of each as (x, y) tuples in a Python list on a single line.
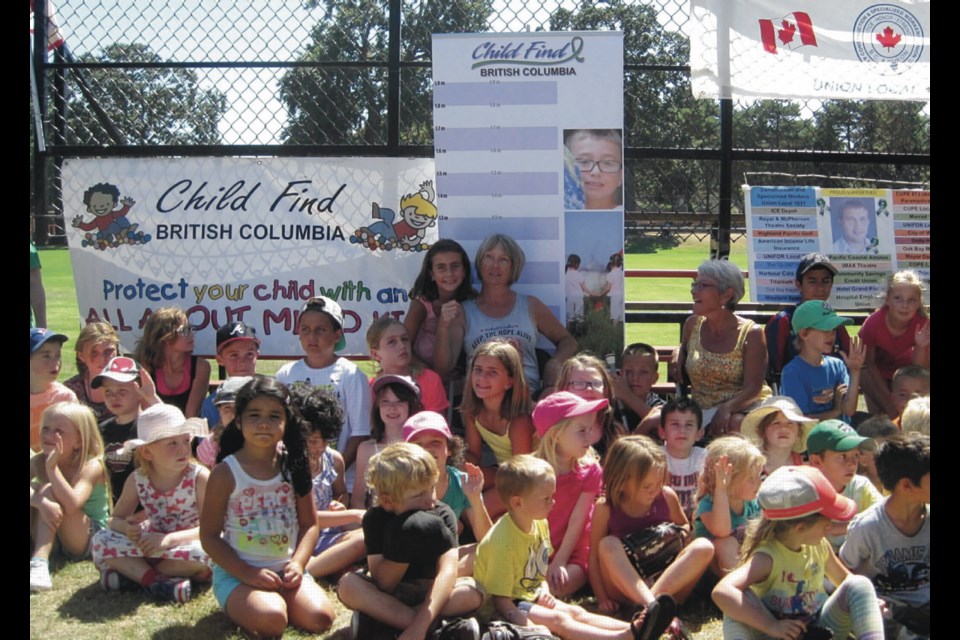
[(348, 104), (144, 106), (874, 126)]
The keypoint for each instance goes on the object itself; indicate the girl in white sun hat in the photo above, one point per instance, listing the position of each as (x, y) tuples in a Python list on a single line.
[(780, 429), (158, 549)]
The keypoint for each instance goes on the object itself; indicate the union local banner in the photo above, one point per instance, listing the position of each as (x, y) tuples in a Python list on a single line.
[(247, 239), (867, 234), (853, 49)]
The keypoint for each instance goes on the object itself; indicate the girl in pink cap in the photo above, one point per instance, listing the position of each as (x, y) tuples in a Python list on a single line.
[(564, 422), (778, 589)]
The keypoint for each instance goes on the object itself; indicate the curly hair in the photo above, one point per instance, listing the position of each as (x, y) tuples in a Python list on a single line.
[(319, 408)]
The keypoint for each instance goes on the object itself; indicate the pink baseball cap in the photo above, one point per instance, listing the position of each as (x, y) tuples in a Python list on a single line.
[(425, 421), (561, 405), (793, 492)]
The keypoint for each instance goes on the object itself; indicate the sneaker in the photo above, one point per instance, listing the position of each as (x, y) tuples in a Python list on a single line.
[(651, 621), (458, 629), (40, 575), (170, 589), (111, 580)]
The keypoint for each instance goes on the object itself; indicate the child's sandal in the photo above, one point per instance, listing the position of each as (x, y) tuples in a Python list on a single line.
[(651, 621)]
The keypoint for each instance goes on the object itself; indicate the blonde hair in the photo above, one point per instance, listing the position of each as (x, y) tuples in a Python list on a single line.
[(399, 468), (159, 329), (92, 334), (520, 474), (611, 427), (630, 458), (916, 415), (548, 447), (907, 277), (761, 530), (516, 402), (91, 442), (745, 457)]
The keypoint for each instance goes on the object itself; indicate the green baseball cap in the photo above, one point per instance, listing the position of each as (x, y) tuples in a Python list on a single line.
[(833, 435), (817, 314)]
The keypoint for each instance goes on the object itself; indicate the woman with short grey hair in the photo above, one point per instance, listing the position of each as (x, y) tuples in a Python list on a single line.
[(724, 355), (500, 312)]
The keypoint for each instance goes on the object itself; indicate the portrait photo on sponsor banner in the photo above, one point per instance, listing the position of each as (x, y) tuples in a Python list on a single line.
[(853, 222), (593, 169), (594, 279)]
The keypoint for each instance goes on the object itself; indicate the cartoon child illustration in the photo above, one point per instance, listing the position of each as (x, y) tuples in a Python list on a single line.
[(417, 213), (111, 224)]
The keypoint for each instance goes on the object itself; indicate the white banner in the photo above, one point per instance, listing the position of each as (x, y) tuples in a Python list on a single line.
[(866, 233), (853, 49), (528, 139), (246, 239)]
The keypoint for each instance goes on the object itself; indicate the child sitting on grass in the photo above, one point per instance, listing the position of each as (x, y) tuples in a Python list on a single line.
[(125, 388), (160, 549), (512, 563), (412, 555), (889, 543), (638, 503), (237, 351), (258, 523), (779, 589), (681, 427), (69, 488), (780, 429), (834, 448), (320, 327), (727, 498), (340, 543), (45, 365)]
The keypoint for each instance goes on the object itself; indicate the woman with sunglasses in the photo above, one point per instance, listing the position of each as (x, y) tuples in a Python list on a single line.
[(724, 355), (165, 350)]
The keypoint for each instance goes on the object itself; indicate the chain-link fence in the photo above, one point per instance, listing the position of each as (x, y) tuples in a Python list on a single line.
[(352, 77)]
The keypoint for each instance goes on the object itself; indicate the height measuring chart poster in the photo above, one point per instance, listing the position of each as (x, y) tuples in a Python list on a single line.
[(866, 233), (528, 142)]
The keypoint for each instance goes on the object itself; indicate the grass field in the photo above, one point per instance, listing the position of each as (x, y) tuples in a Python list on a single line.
[(77, 609)]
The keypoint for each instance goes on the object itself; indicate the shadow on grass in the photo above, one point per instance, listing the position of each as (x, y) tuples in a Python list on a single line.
[(212, 626), (90, 604)]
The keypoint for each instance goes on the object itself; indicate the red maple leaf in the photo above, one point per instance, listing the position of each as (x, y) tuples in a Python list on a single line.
[(888, 38), (785, 33)]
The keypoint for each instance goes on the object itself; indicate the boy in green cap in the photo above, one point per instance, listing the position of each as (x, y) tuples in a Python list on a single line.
[(824, 387), (834, 448)]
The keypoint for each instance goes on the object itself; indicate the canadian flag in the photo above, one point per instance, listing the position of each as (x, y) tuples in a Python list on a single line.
[(785, 30)]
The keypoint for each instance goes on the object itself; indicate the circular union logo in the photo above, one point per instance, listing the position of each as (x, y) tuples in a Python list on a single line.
[(889, 35)]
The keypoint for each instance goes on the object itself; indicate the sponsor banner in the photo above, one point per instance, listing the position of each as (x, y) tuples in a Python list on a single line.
[(866, 233), (855, 50), (247, 239)]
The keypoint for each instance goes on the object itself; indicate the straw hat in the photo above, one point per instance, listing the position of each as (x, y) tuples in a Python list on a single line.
[(750, 427)]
